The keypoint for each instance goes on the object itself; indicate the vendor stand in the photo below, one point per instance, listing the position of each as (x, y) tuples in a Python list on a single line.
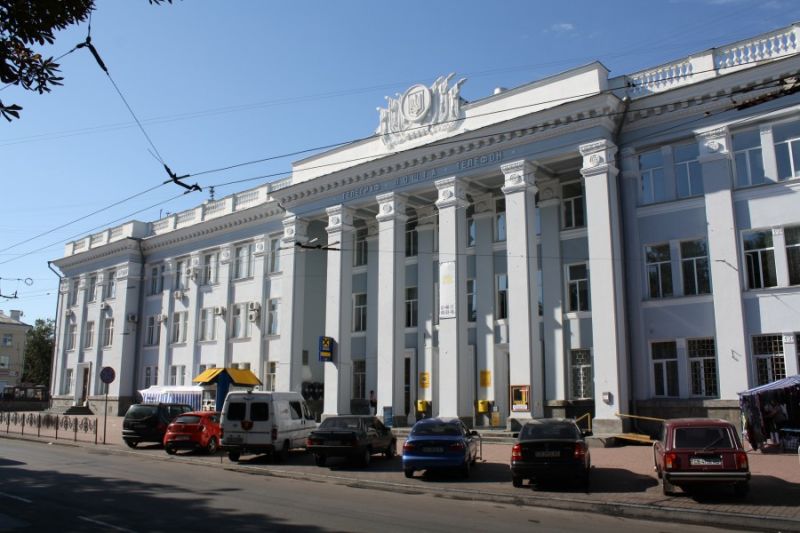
[(771, 412)]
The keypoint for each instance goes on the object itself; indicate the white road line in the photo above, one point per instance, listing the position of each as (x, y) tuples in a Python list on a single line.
[(15, 497), (104, 524)]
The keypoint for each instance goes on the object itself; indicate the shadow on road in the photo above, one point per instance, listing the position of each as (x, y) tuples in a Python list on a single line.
[(764, 490)]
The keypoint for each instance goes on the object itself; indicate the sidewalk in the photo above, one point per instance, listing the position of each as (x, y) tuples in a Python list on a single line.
[(623, 482)]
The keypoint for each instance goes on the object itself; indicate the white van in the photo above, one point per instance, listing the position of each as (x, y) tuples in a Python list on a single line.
[(264, 422)]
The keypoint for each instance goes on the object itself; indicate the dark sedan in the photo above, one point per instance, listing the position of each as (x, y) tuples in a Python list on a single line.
[(553, 449), (355, 437), (440, 443)]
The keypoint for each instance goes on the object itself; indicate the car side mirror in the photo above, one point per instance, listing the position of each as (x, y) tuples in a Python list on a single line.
[(515, 435)]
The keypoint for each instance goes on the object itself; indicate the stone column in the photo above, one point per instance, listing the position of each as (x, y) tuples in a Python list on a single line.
[(293, 262), (372, 305), (525, 352), (484, 296), (556, 369), (339, 310), (790, 354), (391, 300), (167, 305), (425, 228), (224, 323), (723, 260), (606, 285), (455, 370)]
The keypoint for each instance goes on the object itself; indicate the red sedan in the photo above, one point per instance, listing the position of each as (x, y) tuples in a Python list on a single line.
[(197, 430)]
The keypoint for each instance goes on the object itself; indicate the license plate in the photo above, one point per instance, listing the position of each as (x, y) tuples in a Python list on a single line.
[(182, 437), (333, 443), (549, 453), (705, 461), (432, 449)]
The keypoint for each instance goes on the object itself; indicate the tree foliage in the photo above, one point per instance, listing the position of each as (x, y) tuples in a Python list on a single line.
[(39, 346)]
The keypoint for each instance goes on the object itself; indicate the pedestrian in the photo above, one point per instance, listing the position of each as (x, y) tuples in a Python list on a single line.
[(373, 403)]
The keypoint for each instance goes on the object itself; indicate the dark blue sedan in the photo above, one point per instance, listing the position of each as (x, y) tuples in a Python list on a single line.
[(440, 443)]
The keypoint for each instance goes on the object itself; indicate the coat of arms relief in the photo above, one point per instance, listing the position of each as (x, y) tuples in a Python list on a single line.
[(421, 111)]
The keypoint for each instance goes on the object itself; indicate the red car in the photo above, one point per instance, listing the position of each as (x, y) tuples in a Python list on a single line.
[(700, 451), (197, 430)]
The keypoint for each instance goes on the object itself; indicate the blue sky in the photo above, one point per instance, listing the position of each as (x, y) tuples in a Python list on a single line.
[(217, 83)]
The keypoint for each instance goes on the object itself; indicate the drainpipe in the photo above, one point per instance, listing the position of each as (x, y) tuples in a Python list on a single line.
[(140, 325), (55, 334)]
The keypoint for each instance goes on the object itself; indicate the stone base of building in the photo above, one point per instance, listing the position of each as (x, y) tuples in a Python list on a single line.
[(117, 406), (607, 426), (678, 408)]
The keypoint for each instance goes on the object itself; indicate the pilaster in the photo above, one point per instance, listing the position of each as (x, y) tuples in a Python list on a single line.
[(484, 297), (293, 262), (425, 331)]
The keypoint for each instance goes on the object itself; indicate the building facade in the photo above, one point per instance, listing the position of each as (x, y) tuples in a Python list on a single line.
[(13, 333), (578, 244)]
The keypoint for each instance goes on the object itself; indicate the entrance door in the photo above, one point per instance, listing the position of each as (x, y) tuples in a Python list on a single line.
[(85, 388), (409, 386), (82, 383)]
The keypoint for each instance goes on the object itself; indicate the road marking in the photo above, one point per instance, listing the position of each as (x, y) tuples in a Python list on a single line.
[(104, 524), (15, 497)]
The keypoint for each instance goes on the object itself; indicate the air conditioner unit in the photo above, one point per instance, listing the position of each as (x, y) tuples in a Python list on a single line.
[(191, 273), (252, 316), (219, 310), (67, 314), (103, 305), (133, 318), (502, 333), (178, 295), (254, 306)]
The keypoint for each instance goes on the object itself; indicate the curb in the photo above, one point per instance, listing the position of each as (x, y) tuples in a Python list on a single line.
[(616, 509)]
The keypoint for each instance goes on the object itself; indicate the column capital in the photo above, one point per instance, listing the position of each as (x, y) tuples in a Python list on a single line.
[(519, 176), (294, 230), (598, 158), (391, 206), (340, 218), (713, 144), (451, 193)]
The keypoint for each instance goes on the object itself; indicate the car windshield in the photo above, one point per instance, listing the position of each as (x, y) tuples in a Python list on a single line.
[(341, 423), (436, 429), (137, 412), (188, 419), (702, 437), (549, 431)]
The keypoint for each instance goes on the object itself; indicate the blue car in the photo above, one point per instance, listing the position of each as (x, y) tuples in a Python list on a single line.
[(440, 443)]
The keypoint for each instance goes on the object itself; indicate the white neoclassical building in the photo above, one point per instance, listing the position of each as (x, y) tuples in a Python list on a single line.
[(581, 243)]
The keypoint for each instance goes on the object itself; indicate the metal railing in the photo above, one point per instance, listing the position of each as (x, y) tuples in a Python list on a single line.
[(588, 417), (47, 425)]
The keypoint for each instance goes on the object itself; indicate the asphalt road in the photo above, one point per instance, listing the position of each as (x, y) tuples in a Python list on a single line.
[(57, 488)]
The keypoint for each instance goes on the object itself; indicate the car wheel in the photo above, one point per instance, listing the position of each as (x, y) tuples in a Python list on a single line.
[(516, 481), (212, 446), (131, 443), (320, 459), (586, 480), (408, 473), (667, 488), (234, 456), (366, 457), (740, 490), (170, 450), (465, 468), (391, 450)]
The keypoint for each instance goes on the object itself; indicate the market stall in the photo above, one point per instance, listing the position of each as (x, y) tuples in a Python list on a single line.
[(771, 414)]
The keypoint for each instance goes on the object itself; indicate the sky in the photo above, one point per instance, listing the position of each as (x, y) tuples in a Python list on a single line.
[(217, 83)]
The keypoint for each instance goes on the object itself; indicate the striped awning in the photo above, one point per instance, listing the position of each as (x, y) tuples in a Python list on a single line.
[(785, 383), (189, 395), (239, 377)]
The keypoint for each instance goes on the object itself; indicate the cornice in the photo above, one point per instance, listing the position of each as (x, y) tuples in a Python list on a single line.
[(101, 252)]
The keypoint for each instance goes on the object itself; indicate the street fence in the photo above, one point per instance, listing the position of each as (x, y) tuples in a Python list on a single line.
[(67, 427)]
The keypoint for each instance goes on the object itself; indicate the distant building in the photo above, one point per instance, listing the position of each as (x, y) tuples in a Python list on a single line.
[(581, 243), (12, 348)]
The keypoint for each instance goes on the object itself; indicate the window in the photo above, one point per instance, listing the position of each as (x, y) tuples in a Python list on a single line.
[(275, 255), (91, 288), (177, 375), (88, 335), (759, 257), (501, 296), (207, 329), (688, 174), (67, 385), (210, 268), (768, 355), (748, 164), (243, 261), (73, 292), (179, 326), (360, 247), (472, 302), (411, 307), (659, 270), (272, 316), (703, 366), (156, 279), (8, 340), (148, 377), (792, 236), (240, 326), (787, 149), (578, 284), (5, 362), (360, 312), (412, 238), (665, 368), (259, 412), (574, 215), (272, 375), (108, 332), (359, 380), (153, 331), (651, 167), (179, 282), (581, 372), (72, 330), (500, 219), (694, 264), (471, 228), (111, 284)]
